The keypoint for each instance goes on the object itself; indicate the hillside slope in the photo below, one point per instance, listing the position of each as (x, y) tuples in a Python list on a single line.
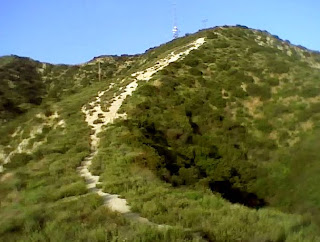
[(218, 143), (25, 82)]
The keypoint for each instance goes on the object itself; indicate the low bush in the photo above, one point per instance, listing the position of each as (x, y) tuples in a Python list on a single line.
[(315, 107), (263, 125), (310, 91), (212, 35), (192, 62), (196, 72), (221, 44), (223, 65), (262, 91), (279, 67), (73, 189), (18, 160), (273, 82)]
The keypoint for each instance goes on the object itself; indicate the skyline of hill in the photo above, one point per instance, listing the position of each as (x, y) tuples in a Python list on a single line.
[(209, 137)]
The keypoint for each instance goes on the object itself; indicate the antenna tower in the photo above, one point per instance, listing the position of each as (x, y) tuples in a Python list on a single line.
[(204, 22), (175, 29)]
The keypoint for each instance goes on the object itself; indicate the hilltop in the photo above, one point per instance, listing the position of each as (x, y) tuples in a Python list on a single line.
[(212, 136)]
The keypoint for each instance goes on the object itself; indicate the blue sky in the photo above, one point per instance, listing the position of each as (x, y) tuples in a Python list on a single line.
[(74, 31)]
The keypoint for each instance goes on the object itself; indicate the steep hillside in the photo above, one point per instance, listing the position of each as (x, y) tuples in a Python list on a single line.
[(226, 110), (212, 136), (25, 82)]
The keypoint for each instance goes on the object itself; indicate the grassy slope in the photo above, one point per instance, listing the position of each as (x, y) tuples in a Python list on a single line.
[(25, 83), (40, 192), (223, 115), (37, 197)]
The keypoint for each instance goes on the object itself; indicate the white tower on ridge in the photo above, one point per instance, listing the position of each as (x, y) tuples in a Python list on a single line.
[(175, 29), (175, 32)]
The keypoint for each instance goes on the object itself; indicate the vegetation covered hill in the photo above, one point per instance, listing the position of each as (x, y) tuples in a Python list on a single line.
[(221, 145), (25, 82)]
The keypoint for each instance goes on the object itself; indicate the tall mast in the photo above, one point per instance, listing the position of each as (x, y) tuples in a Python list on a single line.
[(204, 23), (175, 29)]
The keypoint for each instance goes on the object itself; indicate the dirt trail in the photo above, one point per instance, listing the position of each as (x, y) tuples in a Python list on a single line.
[(94, 113)]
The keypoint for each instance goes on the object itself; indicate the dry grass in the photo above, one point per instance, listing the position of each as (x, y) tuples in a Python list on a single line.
[(253, 105)]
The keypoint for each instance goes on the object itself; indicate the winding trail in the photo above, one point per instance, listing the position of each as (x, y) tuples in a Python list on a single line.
[(97, 118)]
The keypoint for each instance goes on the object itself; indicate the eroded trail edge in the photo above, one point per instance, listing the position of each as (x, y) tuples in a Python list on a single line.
[(97, 119)]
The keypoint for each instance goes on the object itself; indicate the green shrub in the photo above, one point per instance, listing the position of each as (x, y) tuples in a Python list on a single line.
[(304, 115), (221, 44), (239, 93), (278, 110), (262, 91), (223, 65), (310, 91), (18, 160), (188, 176), (209, 59), (73, 189), (98, 121), (263, 125), (256, 49), (192, 62), (279, 67), (315, 107), (196, 72), (273, 82), (212, 35)]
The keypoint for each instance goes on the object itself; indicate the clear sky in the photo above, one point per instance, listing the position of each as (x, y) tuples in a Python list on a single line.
[(74, 31)]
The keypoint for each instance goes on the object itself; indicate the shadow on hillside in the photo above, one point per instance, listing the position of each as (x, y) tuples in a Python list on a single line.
[(235, 195)]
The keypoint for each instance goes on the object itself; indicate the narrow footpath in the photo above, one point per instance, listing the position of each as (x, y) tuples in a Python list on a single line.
[(95, 113)]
